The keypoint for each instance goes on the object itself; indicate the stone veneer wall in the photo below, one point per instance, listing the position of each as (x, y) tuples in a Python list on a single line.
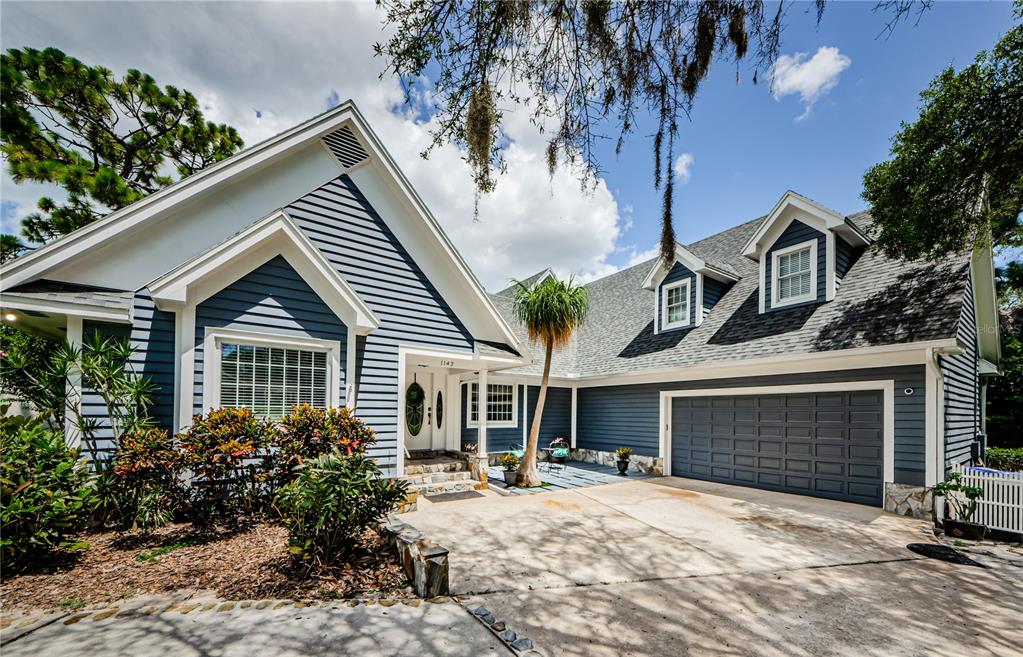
[(646, 464), (910, 501)]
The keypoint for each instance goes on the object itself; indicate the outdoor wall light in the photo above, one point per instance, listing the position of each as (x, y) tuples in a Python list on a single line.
[(10, 317), (908, 391)]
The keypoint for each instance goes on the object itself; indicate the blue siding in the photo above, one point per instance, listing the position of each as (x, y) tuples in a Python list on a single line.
[(92, 405), (628, 415), (961, 376), (713, 290), (679, 272), (273, 298), (357, 241), (845, 255), (796, 233), (499, 439), (557, 413)]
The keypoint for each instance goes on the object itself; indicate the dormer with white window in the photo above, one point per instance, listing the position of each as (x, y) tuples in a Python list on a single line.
[(686, 291), (804, 250)]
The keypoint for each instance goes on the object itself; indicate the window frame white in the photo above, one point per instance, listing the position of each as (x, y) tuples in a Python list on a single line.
[(776, 256), (665, 324), (474, 424), (215, 337)]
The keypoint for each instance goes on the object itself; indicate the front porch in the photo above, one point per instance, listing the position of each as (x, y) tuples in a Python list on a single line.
[(573, 474)]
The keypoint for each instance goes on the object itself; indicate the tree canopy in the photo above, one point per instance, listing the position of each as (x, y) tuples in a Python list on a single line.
[(107, 141), (955, 178)]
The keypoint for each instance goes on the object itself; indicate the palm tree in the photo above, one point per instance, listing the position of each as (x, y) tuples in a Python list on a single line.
[(551, 311)]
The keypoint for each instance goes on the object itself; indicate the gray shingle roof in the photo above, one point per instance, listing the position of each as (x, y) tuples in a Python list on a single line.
[(880, 301)]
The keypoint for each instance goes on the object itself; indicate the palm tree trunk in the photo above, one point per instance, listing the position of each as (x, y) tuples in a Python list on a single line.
[(528, 474)]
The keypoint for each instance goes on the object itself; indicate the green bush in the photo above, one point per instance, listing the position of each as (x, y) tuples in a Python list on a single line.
[(308, 432), (46, 493), (1002, 458), (333, 500), (224, 450), (145, 488)]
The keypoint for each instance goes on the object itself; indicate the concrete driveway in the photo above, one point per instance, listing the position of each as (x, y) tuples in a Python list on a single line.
[(674, 566)]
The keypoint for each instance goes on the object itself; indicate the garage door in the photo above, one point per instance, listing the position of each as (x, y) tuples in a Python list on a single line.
[(822, 444)]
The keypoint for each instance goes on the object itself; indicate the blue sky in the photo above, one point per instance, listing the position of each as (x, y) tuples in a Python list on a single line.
[(748, 149), (264, 67)]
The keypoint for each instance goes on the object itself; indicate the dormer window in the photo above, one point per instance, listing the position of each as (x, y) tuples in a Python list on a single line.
[(795, 272), (676, 304)]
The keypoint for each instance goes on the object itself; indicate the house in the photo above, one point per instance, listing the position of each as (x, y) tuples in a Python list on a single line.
[(785, 353)]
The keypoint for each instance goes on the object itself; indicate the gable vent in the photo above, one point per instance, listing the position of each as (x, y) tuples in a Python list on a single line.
[(345, 147)]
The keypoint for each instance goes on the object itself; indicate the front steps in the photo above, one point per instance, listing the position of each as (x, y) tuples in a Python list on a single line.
[(439, 474)]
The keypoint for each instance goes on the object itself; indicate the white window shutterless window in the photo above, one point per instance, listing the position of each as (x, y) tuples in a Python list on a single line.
[(501, 406), (795, 274), (269, 375), (675, 304)]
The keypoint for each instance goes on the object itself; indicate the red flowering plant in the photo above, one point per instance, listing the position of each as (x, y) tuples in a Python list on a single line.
[(145, 488), (309, 432), (225, 450)]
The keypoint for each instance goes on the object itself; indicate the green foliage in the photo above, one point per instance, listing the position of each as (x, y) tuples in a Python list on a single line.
[(145, 488), (308, 432), (224, 451), (1005, 392), (153, 556), (551, 310), (46, 493), (962, 498), (1003, 458), (106, 141), (510, 462), (332, 501), (956, 175), (623, 453), (26, 372), (579, 67), (74, 604)]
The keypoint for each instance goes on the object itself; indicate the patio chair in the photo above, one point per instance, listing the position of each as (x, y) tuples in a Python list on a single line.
[(556, 454)]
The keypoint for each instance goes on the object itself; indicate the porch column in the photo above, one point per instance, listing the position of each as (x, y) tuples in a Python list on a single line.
[(575, 407), (73, 389), (482, 461)]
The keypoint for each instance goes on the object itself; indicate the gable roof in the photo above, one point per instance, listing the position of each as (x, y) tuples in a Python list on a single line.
[(809, 210), (528, 281), (355, 145), (880, 302)]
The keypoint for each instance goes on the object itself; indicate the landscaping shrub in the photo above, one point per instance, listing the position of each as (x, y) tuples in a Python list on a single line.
[(308, 432), (1002, 458), (45, 492), (332, 501), (225, 450), (145, 488)]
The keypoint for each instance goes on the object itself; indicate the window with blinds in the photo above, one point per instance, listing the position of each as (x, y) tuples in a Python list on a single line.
[(270, 380)]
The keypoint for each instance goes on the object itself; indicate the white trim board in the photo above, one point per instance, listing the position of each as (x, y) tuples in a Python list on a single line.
[(664, 304), (886, 386), (776, 256), (506, 424)]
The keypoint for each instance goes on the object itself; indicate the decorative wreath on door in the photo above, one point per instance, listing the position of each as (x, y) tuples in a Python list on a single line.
[(414, 398)]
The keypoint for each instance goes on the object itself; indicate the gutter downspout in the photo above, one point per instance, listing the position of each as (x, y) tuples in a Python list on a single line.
[(934, 449)]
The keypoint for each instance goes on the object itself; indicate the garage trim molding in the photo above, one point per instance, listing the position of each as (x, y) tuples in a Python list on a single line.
[(887, 388)]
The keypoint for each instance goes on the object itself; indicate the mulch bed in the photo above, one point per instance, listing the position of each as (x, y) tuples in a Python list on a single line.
[(249, 564)]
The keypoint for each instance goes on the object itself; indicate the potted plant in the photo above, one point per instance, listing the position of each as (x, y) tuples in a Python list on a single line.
[(510, 465), (624, 455), (963, 500)]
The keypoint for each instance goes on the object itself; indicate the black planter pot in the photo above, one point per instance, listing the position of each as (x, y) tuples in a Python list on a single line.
[(970, 531), (510, 476), (623, 468)]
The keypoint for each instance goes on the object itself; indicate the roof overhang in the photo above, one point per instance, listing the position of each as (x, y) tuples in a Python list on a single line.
[(275, 235), (692, 262), (794, 206)]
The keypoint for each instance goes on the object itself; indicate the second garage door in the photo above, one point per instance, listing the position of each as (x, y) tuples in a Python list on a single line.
[(823, 444)]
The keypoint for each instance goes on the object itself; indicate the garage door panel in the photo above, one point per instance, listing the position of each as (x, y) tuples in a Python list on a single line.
[(822, 444)]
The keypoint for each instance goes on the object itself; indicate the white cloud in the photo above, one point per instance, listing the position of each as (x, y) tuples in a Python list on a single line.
[(810, 78), (280, 64), (683, 167)]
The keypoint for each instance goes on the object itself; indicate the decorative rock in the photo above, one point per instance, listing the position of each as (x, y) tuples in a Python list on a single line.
[(246, 604), (103, 615), (5, 623), (507, 636), (522, 644), (149, 611), (369, 603), (352, 603), (388, 603), (909, 501), (262, 604), (499, 626), (638, 463), (173, 607), (415, 602), (208, 606), (481, 611), (300, 605), (26, 623), (74, 619), (184, 609), (227, 606), (282, 603), (439, 599)]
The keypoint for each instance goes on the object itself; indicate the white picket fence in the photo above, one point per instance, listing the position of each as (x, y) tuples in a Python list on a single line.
[(1002, 504)]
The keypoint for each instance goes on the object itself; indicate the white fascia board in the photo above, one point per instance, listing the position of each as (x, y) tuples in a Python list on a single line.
[(985, 304), (695, 264), (382, 157), (34, 264), (236, 257), (54, 307), (769, 228)]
